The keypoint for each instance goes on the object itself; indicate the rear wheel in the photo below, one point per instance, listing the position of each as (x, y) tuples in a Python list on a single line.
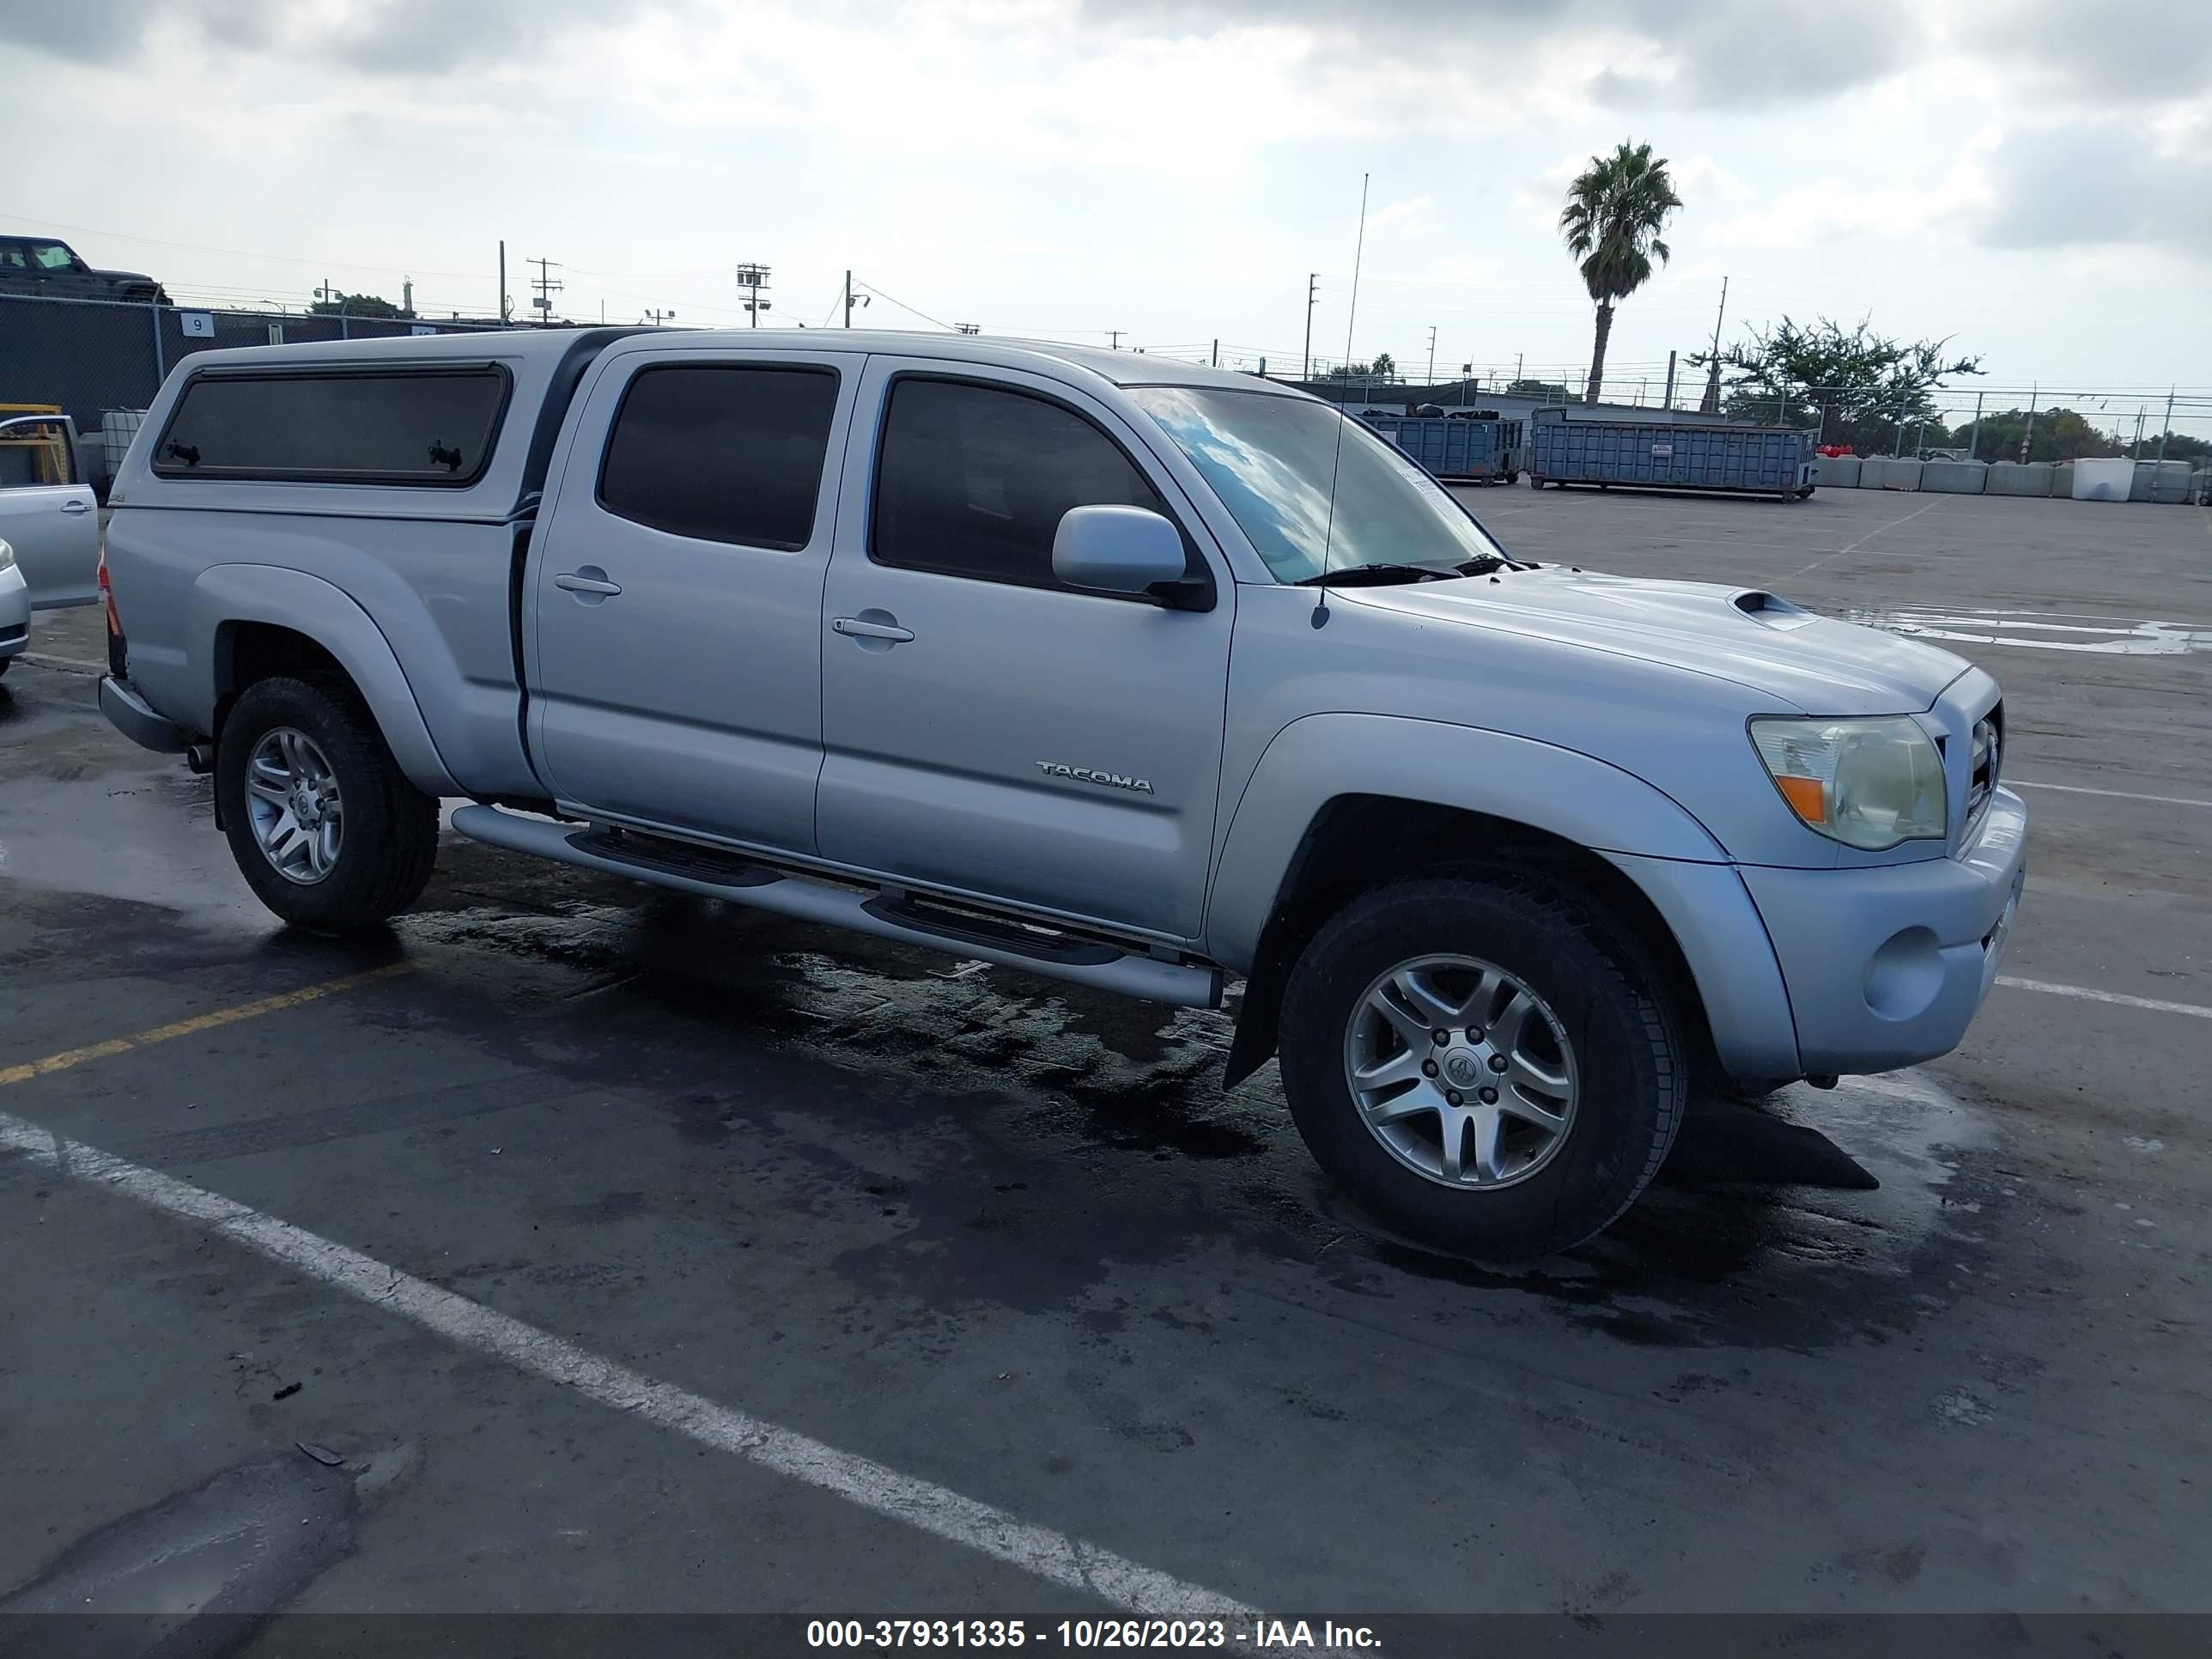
[(1481, 1062), (325, 826), (5, 661)]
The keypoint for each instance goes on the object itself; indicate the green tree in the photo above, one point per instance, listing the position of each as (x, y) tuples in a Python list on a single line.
[(1547, 392), (2059, 434), (1386, 366), (1855, 384), (358, 305), (1616, 208)]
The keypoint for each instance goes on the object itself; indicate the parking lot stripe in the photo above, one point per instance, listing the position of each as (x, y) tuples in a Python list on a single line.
[(2122, 998), (63, 1062), (1054, 1557), (1854, 547), (2115, 794)]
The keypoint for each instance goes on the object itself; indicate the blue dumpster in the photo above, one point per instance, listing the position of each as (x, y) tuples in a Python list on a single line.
[(1488, 449), (1737, 459)]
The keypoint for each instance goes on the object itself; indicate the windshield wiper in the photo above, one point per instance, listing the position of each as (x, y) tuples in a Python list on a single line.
[(1382, 575)]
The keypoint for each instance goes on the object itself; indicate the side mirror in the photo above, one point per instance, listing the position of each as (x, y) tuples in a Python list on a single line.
[(1116, 550)]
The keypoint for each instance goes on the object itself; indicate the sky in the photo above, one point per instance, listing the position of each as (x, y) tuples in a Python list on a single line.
[(2032, 179)]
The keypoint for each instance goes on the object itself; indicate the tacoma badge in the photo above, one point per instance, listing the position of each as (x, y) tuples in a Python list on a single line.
[(1085, 774)]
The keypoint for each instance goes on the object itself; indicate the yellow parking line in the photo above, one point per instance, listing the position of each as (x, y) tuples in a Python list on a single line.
[(63, 1062)]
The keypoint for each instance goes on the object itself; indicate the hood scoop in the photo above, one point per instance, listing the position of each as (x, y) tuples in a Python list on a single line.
[(1772, 609)]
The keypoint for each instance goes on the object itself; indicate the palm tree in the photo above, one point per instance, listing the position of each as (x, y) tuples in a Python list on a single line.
[(1616, 208)]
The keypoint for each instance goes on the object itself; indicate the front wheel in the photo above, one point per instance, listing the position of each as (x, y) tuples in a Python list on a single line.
[(325, 826), (1481, 1062)]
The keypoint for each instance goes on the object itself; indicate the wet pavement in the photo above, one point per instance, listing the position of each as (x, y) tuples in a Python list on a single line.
[(1928, 1342)]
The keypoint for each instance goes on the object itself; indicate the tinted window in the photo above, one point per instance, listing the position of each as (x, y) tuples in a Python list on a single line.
[(411, 426), (973, 481), (726, 455)]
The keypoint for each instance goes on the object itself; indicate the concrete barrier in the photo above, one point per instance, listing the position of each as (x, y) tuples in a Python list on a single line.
[(1902, 474), (2012, 478), (1836, 471), (2200, 486), (1955, 477), (2103, 479), (2159, 481), (2062, 481)]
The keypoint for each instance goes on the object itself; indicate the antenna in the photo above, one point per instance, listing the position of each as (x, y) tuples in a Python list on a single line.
[(1359, 249)]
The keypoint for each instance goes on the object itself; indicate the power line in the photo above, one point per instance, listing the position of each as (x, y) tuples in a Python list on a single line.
[(904, 305)]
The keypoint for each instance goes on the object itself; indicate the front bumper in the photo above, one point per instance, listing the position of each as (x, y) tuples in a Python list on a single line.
[(1888, 966), (131, 714)]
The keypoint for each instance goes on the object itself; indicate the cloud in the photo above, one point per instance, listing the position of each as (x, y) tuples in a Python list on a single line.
[(1722, 54), (1415, 217), (1827, 211), (2111, 51), (2084, 185)]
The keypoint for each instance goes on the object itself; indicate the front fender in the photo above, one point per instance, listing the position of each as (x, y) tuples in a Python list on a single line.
[(327, 615), (1314, 760)]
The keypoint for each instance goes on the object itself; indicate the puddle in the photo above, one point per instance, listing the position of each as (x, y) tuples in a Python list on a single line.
[(2043, 630)]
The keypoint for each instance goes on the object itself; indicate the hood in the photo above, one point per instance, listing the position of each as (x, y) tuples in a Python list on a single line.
[(1747, 635)]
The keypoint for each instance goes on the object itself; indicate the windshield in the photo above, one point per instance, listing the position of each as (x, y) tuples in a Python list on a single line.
[(1270, 458)]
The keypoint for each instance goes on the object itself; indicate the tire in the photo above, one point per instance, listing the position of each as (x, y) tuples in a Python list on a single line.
[(381, 857), (1627, 1068), (4, 662)]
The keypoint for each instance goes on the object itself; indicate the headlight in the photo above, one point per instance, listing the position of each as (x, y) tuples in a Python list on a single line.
[(1868, 783), (7, 556)]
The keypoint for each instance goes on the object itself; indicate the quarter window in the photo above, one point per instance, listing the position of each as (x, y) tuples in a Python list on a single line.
[(972, 480), (722, 453), (341, 426)]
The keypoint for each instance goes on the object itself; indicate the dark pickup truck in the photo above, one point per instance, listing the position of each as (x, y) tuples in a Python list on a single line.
[(42, 266)]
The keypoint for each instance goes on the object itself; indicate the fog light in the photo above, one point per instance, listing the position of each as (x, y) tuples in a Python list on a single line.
[(1902, 977)]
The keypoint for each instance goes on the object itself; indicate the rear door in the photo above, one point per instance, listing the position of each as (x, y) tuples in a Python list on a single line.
[(47, 513), (986, 729), (675, 591)]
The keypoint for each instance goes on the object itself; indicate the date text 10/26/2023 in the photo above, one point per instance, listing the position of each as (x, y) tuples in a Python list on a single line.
[(1255, 1636)]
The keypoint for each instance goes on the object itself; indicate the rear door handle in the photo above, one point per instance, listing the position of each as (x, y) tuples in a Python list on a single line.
[(576, 582), (859, 628), (76, 507)]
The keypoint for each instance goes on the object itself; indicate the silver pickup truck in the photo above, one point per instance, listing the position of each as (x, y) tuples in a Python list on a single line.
[(1101, 666)]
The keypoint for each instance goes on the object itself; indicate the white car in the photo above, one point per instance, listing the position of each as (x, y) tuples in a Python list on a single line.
[(48, 527)]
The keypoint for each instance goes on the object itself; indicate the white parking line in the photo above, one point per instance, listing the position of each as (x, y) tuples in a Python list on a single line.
[(2115, 794), (2121, 998), (1053, 1556), (1854, 546)]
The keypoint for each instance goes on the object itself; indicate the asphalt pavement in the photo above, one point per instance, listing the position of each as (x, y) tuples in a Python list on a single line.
[(611, 1251)]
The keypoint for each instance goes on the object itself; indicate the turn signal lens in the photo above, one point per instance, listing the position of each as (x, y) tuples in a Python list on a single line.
[(1873, 784)]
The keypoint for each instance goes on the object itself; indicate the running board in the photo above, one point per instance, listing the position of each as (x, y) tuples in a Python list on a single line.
[(713, 875)]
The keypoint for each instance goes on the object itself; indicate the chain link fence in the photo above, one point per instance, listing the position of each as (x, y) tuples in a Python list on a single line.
[(100, 362)]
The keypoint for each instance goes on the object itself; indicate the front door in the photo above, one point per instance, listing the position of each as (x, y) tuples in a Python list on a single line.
[(676, 591), (985, 728), (47, 514)]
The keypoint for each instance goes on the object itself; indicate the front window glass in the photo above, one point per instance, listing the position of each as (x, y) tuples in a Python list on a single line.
[(53, 256), (1271, 460)]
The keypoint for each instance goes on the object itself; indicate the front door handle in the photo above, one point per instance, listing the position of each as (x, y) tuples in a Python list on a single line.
[(866, 628), (76, 507), (589, 580)]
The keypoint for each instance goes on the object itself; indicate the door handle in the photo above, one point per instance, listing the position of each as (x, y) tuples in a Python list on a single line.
[(76, 507), (576, 582), (859, 627)]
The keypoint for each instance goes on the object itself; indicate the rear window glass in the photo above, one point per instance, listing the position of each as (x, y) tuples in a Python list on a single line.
[(413, 426), (722, 453)]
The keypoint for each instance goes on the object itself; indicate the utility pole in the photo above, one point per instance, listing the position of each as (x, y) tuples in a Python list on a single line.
[(1313, 285), (2034, 397), (1217, 353), (2167, 426), (1432, 354), (1114, 339), (1974, 429), (502, 281), (1520, 359), (657, 317), (851, 299), (751, 279), (1711, 403), (1465, 369), (2134, 450), (1670, 379), (407, 300), (546, 287)]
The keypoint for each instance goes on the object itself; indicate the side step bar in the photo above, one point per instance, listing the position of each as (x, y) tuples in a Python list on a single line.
[(712, 875)]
